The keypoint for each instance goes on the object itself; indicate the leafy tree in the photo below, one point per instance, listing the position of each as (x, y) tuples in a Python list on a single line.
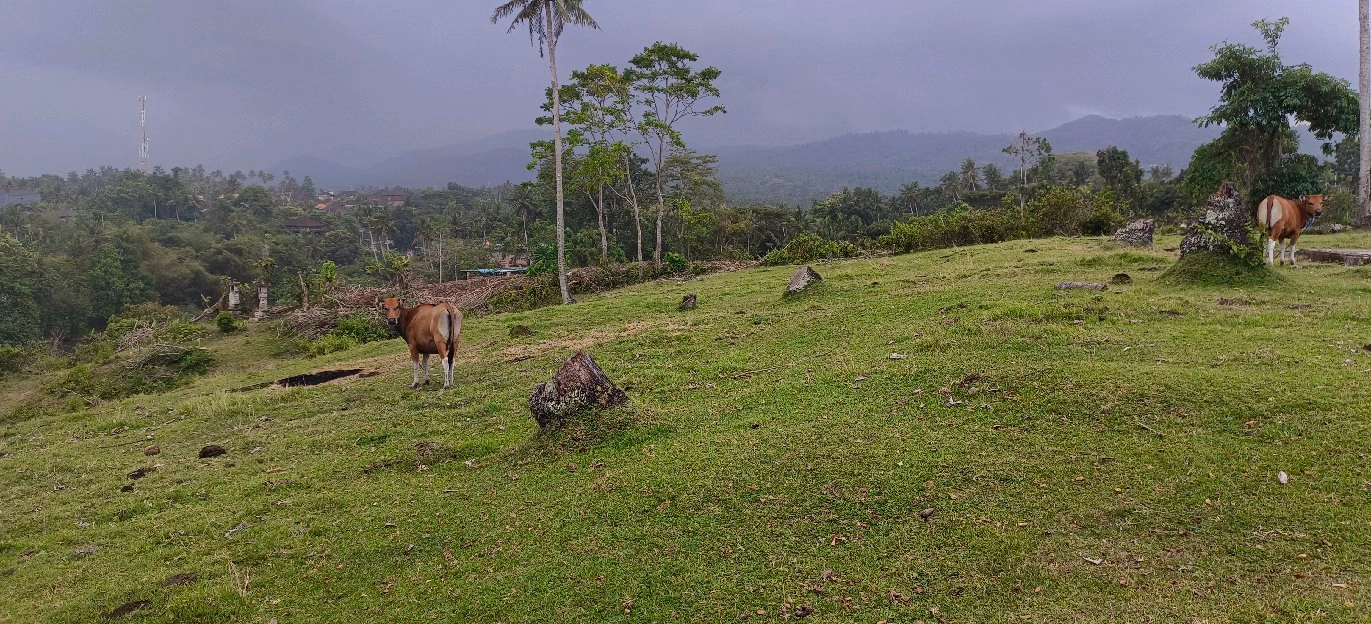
[(545, 20), (19, 325), (116, 282), (994, 178), (1119, 173), (1259, 97), (670, 90), (1032, 153)]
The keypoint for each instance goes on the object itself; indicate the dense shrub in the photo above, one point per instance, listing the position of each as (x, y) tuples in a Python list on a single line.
[(676, 262), (226, 322), (808, 247), (13, 359), (361, 328), (968, 227)]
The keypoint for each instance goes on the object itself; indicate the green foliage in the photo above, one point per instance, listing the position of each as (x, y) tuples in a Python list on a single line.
[(808, 247), (952, 229), (1259, 97), (330, 343), (227, 322), (14, 358), (19, 315), (361, 328), (675, 261)]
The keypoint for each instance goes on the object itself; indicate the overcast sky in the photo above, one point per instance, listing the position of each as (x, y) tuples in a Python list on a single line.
[(244, 84)]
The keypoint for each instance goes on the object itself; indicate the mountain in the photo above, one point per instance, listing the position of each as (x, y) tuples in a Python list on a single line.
[(794, 174), (890, 159), (487, 161), (325, 173)]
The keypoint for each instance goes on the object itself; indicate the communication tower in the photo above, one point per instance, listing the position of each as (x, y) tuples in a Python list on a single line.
[(143, 127)]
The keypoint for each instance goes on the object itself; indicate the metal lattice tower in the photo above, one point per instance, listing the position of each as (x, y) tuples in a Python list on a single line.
[(143, 126)]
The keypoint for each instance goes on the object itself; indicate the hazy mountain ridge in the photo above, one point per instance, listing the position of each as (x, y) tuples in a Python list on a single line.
[(883, 160)]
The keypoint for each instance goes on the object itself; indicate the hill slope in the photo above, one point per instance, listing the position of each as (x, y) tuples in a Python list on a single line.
[(1060, 456)]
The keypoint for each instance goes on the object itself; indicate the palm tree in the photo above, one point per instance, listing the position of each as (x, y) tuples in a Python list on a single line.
[(545, 20), (1364, 88)]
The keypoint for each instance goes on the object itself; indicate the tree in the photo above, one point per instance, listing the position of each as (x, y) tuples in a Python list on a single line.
[(1032, 152), (993, 177), (545, 20), (1364, 119), (1119, 172), (970, 177), (596, 105), (1259, 96), (670, 90)]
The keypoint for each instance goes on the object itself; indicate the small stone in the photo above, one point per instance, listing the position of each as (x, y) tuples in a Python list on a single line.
[(520, 331), (212, 450), (926, 513), (152, 450), (127, 488), (1121, 278), (688, 302), (142, 472), (1283, 478)]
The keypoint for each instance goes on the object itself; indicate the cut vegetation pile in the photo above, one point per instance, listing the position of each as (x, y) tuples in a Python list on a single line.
[(941, 436)]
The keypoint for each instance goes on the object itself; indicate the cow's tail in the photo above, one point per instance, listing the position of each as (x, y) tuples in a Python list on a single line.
[(454, 331), (1270, 206)]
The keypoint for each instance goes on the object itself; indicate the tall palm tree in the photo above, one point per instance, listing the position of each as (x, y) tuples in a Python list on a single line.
[(1364, 132), (545, 20)]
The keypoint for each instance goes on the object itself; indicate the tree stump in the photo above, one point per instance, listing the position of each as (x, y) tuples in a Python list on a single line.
[(578, 386), (801, 279), (1138, 233), (687, 302)]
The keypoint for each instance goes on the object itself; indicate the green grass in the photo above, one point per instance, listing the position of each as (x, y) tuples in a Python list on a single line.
[(1086, 456)]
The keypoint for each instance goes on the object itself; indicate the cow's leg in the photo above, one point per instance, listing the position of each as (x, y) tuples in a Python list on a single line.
[(415, 383), (426, 369), (1294, 238), (1270, 251)]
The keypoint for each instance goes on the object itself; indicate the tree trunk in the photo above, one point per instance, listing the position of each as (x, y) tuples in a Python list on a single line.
[(661, 212), (604, 237), (1364, 132), (632, 198), (557, 158)]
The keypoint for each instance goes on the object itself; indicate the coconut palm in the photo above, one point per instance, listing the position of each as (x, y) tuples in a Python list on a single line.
[(545, 20)]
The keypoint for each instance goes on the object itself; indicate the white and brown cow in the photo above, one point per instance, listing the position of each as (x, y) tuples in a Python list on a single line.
[(1283, 219), (429, 329)]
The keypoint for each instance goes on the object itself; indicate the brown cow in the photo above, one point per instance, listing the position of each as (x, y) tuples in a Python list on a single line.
[(429, 329), (1282, 219)]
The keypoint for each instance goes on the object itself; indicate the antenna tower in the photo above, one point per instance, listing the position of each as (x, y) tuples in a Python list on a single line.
[(143, 126)]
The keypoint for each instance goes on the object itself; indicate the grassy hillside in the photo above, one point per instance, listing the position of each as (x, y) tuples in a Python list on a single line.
[(1039, 455)]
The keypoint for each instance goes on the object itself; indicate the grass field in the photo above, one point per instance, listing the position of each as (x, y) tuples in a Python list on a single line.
[(1039, 455)]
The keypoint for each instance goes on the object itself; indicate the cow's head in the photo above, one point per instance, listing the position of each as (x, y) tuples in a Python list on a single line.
[(391, 307), (1313, 204)]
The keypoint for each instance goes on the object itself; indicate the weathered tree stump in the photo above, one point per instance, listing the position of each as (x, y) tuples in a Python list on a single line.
[(1137, 232), (801, 279), (687, 302), (578, 386)]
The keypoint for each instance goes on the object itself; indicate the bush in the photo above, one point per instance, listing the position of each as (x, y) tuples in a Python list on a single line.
[(808, 247), (361, 328), (330, 343), (13, 359), (675, 261), (968, 227), (226, 322)]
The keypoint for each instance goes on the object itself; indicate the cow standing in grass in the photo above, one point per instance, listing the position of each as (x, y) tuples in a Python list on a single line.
[(1283, 219), (429, 329)]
